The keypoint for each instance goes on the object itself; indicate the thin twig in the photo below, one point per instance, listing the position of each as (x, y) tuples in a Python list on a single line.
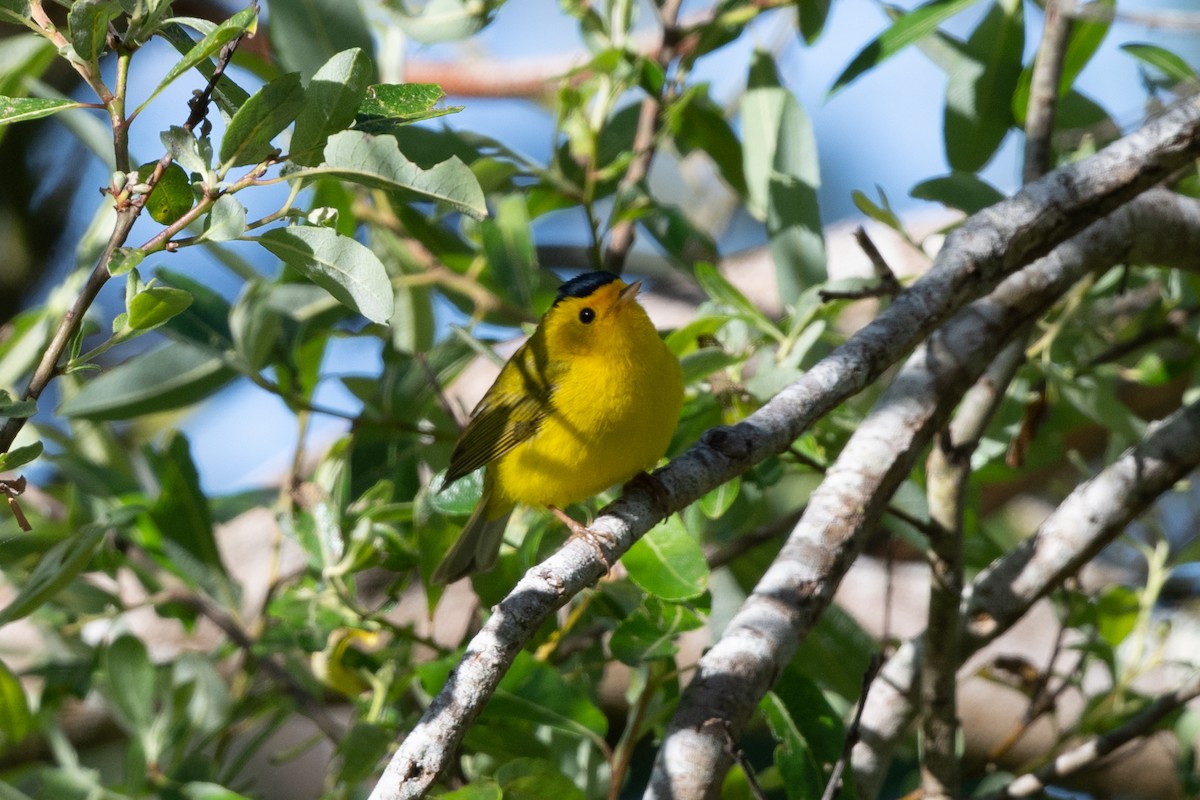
[(833, 787), (644, 141), (128, 210), (1090, 753), (1043, 90)]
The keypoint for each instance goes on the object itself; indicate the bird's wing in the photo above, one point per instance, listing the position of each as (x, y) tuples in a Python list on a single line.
[(511, 411)]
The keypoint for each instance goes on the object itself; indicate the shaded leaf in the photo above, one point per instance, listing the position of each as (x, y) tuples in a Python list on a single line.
[(173, 376), (131, 679), (978, 111), (88, 21), (245, 21), (15, 718), (444, 20), (913, 26), (260, 119), (307, 35), (1163, 60), (964, 191), (57, 568), (20, 456), (650, 631)]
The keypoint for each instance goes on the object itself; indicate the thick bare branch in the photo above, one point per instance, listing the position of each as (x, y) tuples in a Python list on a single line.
[(760, 639), (989, 246), (1090, 518)]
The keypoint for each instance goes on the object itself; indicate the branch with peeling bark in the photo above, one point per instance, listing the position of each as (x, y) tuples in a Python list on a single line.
[(982, 252)]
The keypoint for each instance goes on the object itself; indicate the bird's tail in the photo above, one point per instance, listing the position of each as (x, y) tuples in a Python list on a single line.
[(478, 544)]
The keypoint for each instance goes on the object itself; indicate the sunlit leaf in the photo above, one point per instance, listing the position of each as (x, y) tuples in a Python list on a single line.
[(331, 100), (668, 562), (22, 109), (260, 119), (346, 269)]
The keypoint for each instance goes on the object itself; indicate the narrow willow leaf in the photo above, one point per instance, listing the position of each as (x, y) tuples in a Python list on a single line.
[(88, 21), (229, 96), (131, 680), (20, 456), (181, 511), (15, 718), (226, 221), (260, 119), (245, 21), (668, 563), (783, 175), (376, 161), (964, 191), (16, 408), (910, 28), (346, 269), (305, 35), (1163, 60), (330, 104), (186, 150), (170, 377), (813, 14), (57, 568), (978, 111), (152, 307), (22, 109), (719, 289)]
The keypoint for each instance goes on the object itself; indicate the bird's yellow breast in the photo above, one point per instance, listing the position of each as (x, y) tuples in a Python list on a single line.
[(612, 414)]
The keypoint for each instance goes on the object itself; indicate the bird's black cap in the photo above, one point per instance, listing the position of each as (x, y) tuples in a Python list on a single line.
[(583, 285)]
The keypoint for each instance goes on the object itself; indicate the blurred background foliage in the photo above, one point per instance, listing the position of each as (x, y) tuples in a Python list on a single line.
[(189, 605)]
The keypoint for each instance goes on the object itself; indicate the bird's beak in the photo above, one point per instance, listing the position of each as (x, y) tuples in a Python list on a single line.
[(628, 293)]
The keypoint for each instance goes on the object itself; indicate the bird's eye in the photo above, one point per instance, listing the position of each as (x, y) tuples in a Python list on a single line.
[(586, 316)]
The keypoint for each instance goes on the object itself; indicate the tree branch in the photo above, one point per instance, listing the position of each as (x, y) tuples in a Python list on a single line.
[(988, 246), (1091, 751)]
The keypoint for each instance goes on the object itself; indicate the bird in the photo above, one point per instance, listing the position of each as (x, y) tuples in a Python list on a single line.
[(590, 400)]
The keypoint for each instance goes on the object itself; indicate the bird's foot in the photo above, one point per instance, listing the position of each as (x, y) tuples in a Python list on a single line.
[(581, 531), (652, 485)]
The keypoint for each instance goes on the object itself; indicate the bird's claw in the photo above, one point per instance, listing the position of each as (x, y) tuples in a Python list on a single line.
[(581, 531)]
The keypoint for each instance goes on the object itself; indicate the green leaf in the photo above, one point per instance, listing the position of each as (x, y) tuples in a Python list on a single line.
[(330, 103), (475, 790), (260, 119), (57, 568), (697, 123), (226, 220), (181, 511), (194, 155), (813, 14), (650, 631), (172, 196), (722, 291), (964, 191), (668, 563), (376, 161), (229, 95), (20, 456), (14, 10), (509, 248), (362, 750), (390, 105), (808, 731), (15, 718), (173, 376), (1082, 43), (535, 779), (444, 20), (1161, 59), (910, 28), (200, 790), (255, 325), (131, 680), (88, 21), (346, 269), (152, 307), (978, 112), (206, 321), (782, 178), (16, 408), (21, 109), (1118, 610), (306, 35), (714, 504), (245, 21)]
